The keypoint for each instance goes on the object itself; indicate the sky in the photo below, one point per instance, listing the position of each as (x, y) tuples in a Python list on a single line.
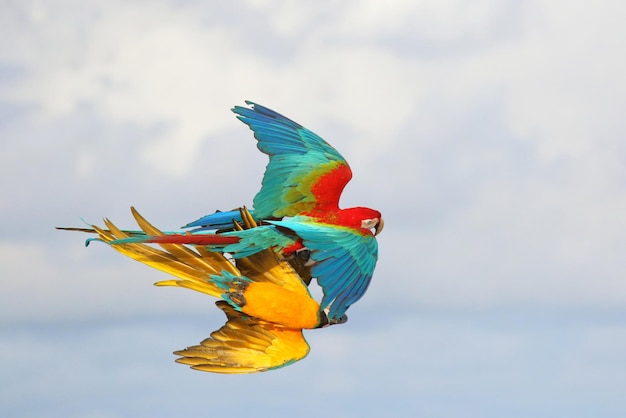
[(490, 134)]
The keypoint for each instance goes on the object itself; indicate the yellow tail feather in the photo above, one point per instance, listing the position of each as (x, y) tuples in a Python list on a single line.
[(244, 344), (192, 268)]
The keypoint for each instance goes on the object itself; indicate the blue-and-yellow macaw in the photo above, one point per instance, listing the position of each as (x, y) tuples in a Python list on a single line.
[(298, 211), (266, 303)]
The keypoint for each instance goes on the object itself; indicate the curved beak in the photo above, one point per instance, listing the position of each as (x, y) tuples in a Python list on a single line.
[(379, 227)]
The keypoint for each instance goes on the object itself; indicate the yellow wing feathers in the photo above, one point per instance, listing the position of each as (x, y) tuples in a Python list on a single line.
[(264, 332), (245, 345)]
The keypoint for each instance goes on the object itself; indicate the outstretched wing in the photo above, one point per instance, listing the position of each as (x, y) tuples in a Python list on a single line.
[(345, 260), (304, 172), (245, 345)]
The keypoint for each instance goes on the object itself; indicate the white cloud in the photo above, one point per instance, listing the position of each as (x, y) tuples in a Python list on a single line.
[(141, 63), (564, 80)]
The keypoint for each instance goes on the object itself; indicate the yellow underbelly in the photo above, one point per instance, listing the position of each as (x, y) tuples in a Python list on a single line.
[(275, 304)]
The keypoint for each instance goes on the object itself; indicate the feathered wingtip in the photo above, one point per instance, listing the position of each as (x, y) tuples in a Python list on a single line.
[(218, 221), (245, 345), (261, 113)]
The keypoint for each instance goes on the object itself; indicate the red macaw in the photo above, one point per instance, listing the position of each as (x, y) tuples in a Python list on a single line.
[(266, 303), (298, 209)]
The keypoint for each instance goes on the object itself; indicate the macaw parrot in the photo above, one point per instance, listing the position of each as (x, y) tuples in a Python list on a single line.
[(266, 303), (298, 212)]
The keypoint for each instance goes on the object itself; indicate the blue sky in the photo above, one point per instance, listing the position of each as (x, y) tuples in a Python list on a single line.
[(489, 134)]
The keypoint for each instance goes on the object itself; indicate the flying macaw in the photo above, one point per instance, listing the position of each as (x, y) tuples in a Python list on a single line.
[(298, 212), (266, 303)]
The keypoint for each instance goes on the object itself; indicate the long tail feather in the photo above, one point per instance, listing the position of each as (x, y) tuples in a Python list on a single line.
[(93, 231), (190, 239)]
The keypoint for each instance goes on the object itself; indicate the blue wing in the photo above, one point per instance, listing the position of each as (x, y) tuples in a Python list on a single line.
[(345, 261), (298, 160), (217, 220)]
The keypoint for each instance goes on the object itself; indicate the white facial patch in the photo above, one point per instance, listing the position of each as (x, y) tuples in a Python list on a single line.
[(369, 223)]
